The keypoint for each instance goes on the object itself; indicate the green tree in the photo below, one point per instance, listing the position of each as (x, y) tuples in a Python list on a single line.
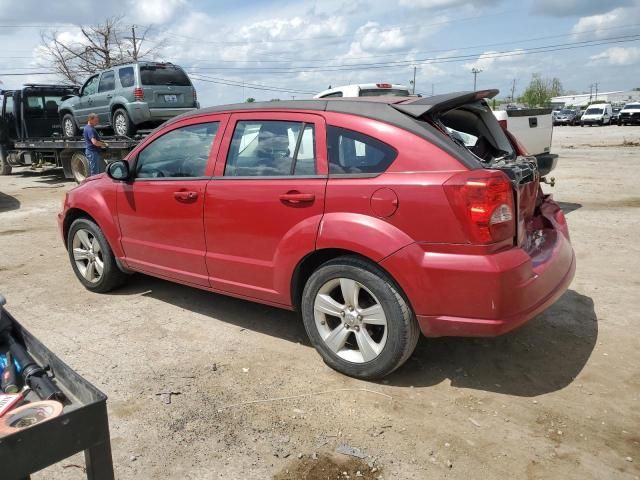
[(540, 90), (250, 100)]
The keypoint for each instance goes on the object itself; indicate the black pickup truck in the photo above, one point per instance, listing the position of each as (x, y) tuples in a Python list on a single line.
[(31, 133)]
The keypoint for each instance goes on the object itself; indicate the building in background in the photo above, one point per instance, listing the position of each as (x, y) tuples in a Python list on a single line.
[(619, 97)]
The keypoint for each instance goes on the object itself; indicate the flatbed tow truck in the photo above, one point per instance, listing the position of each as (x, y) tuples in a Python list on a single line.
[(31, 133)]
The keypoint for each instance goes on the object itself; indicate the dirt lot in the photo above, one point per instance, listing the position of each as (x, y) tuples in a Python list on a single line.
[(557, 399)]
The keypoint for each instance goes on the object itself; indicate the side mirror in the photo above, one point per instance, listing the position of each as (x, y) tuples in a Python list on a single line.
[(118, 170)]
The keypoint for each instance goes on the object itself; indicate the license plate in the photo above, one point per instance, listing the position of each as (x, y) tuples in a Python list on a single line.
[(170, 98)]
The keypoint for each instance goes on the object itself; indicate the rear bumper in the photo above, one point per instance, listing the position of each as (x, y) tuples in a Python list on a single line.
[(167, 113), (455, 294), (635, 119)]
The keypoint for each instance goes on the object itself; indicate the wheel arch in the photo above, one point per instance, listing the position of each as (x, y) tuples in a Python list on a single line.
[(311, 262)]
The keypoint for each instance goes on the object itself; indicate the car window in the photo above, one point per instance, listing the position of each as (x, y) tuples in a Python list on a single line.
[(163, 75), (127, 78), (633, 106), (332, 95), (593, 111), (355, 153), (91, 86), (271, 148), (107, 82), (378, 92), (183, 152)]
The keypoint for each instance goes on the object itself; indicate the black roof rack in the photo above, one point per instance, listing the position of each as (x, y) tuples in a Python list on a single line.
[(49, 85)]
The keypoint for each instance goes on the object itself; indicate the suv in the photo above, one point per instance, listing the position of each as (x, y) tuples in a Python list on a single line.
[(566, 117), (630, 114), (126, 97), (377, 219)]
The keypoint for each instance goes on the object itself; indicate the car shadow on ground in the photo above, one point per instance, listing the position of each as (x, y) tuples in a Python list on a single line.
[(568, 207), (8, 203), (48, 177), (272, 321), (543, 356)]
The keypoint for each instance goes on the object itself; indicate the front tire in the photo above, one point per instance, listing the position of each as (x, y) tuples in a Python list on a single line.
[(69, 127), (357, 319), (122, 124), (91, 257)]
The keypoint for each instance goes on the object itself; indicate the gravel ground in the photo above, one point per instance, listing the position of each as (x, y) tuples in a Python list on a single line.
[(556, 399)]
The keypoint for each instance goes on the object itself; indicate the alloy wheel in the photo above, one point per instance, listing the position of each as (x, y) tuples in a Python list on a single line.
[(88, 255), (69, 128), (350, 320), (120, 124)]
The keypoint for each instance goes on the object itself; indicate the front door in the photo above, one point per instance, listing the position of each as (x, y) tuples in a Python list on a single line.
[(102, 99), (85, 102), (265, 203), (160, 210)]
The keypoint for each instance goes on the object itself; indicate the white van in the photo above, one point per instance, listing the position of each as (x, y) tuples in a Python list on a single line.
[(365, 90), (598, 114)]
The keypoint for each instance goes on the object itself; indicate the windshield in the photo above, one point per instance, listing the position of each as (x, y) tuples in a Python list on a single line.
[(378, 92), (566, 112), (163, 75), (593, 111), (634, 106)]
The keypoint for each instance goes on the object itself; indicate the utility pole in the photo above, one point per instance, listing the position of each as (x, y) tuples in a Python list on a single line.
[(590, 92), (513, 90), (596, 85), (432, 89), (475, 72), (133, 39), (414, 80)]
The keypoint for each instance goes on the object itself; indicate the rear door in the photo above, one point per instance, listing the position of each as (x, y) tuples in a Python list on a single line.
[(264, 205), (160, 210), (166, 86)]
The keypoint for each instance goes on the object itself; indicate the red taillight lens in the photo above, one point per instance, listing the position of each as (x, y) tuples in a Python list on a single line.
[(483, 203), (383, 85), (138, 94), (503, 124)]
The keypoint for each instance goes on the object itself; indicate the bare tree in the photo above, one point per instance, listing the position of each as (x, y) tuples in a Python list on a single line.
[(99, 46)]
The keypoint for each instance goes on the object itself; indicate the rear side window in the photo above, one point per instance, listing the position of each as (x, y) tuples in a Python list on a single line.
[(378, 92), (183, 152), (126, 76), (163, 75), (355, 153), (271, 148), (333, 95), (107, 82)]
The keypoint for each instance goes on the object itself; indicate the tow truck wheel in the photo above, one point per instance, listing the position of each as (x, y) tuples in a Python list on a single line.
[(79, 166), (69, 126), (5, 168)]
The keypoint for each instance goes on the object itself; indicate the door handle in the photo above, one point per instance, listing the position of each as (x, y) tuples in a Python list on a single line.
[(185, 196), (296, 198), (110, 96)]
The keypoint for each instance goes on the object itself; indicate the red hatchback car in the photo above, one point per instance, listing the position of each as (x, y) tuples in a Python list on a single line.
[(376, 218)]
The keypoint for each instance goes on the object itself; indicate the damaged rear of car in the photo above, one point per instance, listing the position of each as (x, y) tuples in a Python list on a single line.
[(516, 258)]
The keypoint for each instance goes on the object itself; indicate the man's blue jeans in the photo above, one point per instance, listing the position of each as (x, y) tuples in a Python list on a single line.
[(95, 160)]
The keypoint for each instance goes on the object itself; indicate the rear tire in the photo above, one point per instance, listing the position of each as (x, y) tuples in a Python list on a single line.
[(122, 124), (69, 126), (91, 257), (366, 337)]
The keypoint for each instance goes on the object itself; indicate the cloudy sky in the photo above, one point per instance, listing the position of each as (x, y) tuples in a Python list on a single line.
[(284, 48)]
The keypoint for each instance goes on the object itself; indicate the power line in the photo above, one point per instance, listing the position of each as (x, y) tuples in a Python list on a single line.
[(251, 86), (428, 61)]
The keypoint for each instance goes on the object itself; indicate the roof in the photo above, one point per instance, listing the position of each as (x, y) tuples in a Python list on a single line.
[(403, 112)]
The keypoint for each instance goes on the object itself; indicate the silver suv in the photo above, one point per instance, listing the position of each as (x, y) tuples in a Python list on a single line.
[(128, 97)]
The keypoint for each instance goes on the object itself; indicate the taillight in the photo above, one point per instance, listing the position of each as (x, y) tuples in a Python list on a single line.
[(138, 94), (483, 203), (383, 85), (503, 124)]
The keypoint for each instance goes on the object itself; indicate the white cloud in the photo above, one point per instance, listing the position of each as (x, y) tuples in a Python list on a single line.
[(606, 24), (617, 56), (154, 11), (491, 59), (443, 4), (568, 8)]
